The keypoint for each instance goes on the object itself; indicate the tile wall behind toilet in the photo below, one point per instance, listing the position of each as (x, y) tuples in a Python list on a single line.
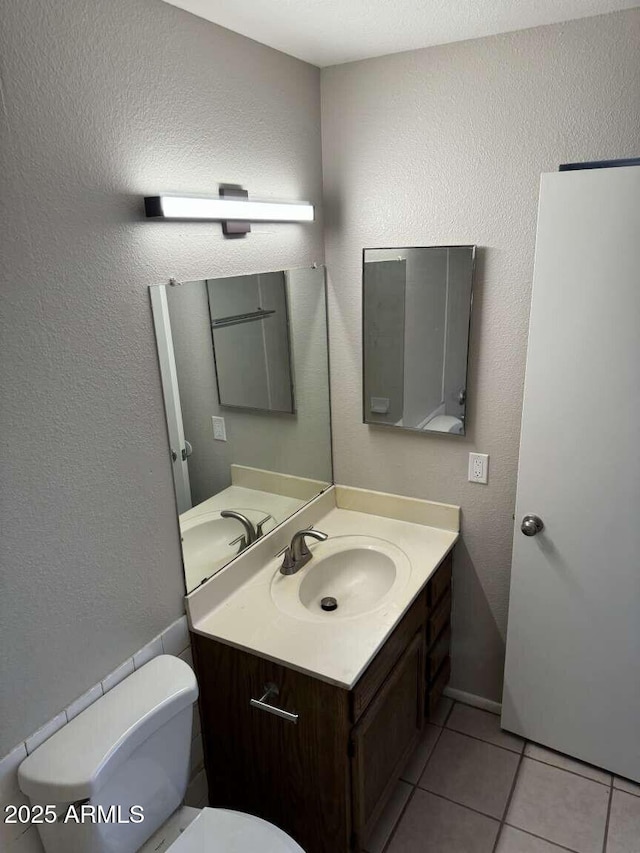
[(16, 838)]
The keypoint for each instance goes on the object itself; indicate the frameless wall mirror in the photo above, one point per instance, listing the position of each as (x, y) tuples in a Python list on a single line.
[(245, 378), (416, 314)]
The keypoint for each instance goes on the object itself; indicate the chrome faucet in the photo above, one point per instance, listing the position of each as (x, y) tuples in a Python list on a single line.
[(297, 554), (251, 533)]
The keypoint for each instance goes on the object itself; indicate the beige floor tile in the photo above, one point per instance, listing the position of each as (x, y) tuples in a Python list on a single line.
[(626, 785), (416, 763), (624, 824), (557, 759), (389, 818), (483, 725), (516, 841), (438, 826), (470, 772), (440, 714), (560, 807)]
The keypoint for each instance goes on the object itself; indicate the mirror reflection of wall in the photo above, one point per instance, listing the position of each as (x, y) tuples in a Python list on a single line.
[(237, 442), (416, 312)]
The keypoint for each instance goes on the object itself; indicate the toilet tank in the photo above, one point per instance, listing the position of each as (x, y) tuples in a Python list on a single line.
[(119, 769)]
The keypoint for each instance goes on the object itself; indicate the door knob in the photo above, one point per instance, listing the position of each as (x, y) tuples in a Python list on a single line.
[(531, 524)]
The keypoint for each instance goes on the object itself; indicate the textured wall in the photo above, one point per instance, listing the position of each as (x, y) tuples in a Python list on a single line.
[(104, 101), (446, 145)]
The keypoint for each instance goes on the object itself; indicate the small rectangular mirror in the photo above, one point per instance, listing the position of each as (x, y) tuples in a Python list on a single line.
[(234, 354), (416, 312)]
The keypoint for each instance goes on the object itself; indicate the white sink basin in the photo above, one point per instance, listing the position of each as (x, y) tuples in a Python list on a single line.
[(206, 542), (360, 572)]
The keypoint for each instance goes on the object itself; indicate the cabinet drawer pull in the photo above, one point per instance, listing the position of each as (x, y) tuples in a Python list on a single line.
[(262, 704)]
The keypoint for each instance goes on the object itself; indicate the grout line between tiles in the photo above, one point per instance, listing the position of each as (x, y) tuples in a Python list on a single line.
[(446, 719), (606, 825), (541, 838), (509, 798), (503, 821), (489, 742), (400, 816), (414, 785), (524, 745), (462, 805), (624, 790), (573, 772), (426, 764), (455, 802)]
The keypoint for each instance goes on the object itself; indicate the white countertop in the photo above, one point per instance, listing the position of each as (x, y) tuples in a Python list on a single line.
[(335, 650)]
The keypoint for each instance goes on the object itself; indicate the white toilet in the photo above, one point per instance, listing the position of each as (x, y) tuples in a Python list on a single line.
[(131, 748)]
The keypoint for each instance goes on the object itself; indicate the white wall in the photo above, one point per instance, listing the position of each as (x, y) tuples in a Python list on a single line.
[(446, 145), (105, 101)]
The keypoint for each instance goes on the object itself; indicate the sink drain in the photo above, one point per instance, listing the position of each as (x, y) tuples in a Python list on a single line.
[(329, 603)]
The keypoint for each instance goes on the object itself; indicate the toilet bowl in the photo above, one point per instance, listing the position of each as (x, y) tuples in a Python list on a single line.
[(223, 831), (116, 773)]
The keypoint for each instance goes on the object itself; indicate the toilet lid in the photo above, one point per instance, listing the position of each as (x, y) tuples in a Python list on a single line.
[(223, 831)]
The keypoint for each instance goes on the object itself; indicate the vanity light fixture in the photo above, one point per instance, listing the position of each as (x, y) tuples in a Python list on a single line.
[(233, 209)]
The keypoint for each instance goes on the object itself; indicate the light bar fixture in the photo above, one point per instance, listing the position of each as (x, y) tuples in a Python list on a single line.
[(233, 209)]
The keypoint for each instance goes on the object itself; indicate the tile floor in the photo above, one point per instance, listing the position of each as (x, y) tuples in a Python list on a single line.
[(469, 787)]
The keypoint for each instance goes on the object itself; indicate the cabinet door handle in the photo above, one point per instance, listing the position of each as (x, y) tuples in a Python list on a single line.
[(262, 704)]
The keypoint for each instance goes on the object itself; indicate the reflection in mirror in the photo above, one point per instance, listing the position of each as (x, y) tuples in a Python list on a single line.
[(244, 369), (250, 326), (416, 314)]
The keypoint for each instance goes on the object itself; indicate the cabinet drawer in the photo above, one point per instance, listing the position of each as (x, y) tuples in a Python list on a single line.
[(439, 618), (439, 583), (377, 671), (437, 653)]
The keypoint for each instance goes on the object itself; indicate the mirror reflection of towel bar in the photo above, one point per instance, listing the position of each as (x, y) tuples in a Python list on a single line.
[(236, 319)]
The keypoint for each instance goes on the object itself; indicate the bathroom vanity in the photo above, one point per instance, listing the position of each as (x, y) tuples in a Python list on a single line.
[(308, 721), (324, 773), (308, 713)]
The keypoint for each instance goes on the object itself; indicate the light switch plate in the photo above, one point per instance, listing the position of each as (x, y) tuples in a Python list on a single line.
[(219, 429), (478, 467)]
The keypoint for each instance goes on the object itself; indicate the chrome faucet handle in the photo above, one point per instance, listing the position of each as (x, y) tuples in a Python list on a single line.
[(260, 525), (288, 566), (299, 547), (242, 539), (297, 554)]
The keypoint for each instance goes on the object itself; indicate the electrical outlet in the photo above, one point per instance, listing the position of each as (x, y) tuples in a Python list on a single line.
[(219, 429), (478, 467)]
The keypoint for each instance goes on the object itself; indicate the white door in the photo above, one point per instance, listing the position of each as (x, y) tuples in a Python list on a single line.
[(171, 393), (572, 679)]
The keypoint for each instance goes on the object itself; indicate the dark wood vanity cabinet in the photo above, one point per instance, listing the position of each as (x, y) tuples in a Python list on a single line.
[(438, 634), (325, 778)]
